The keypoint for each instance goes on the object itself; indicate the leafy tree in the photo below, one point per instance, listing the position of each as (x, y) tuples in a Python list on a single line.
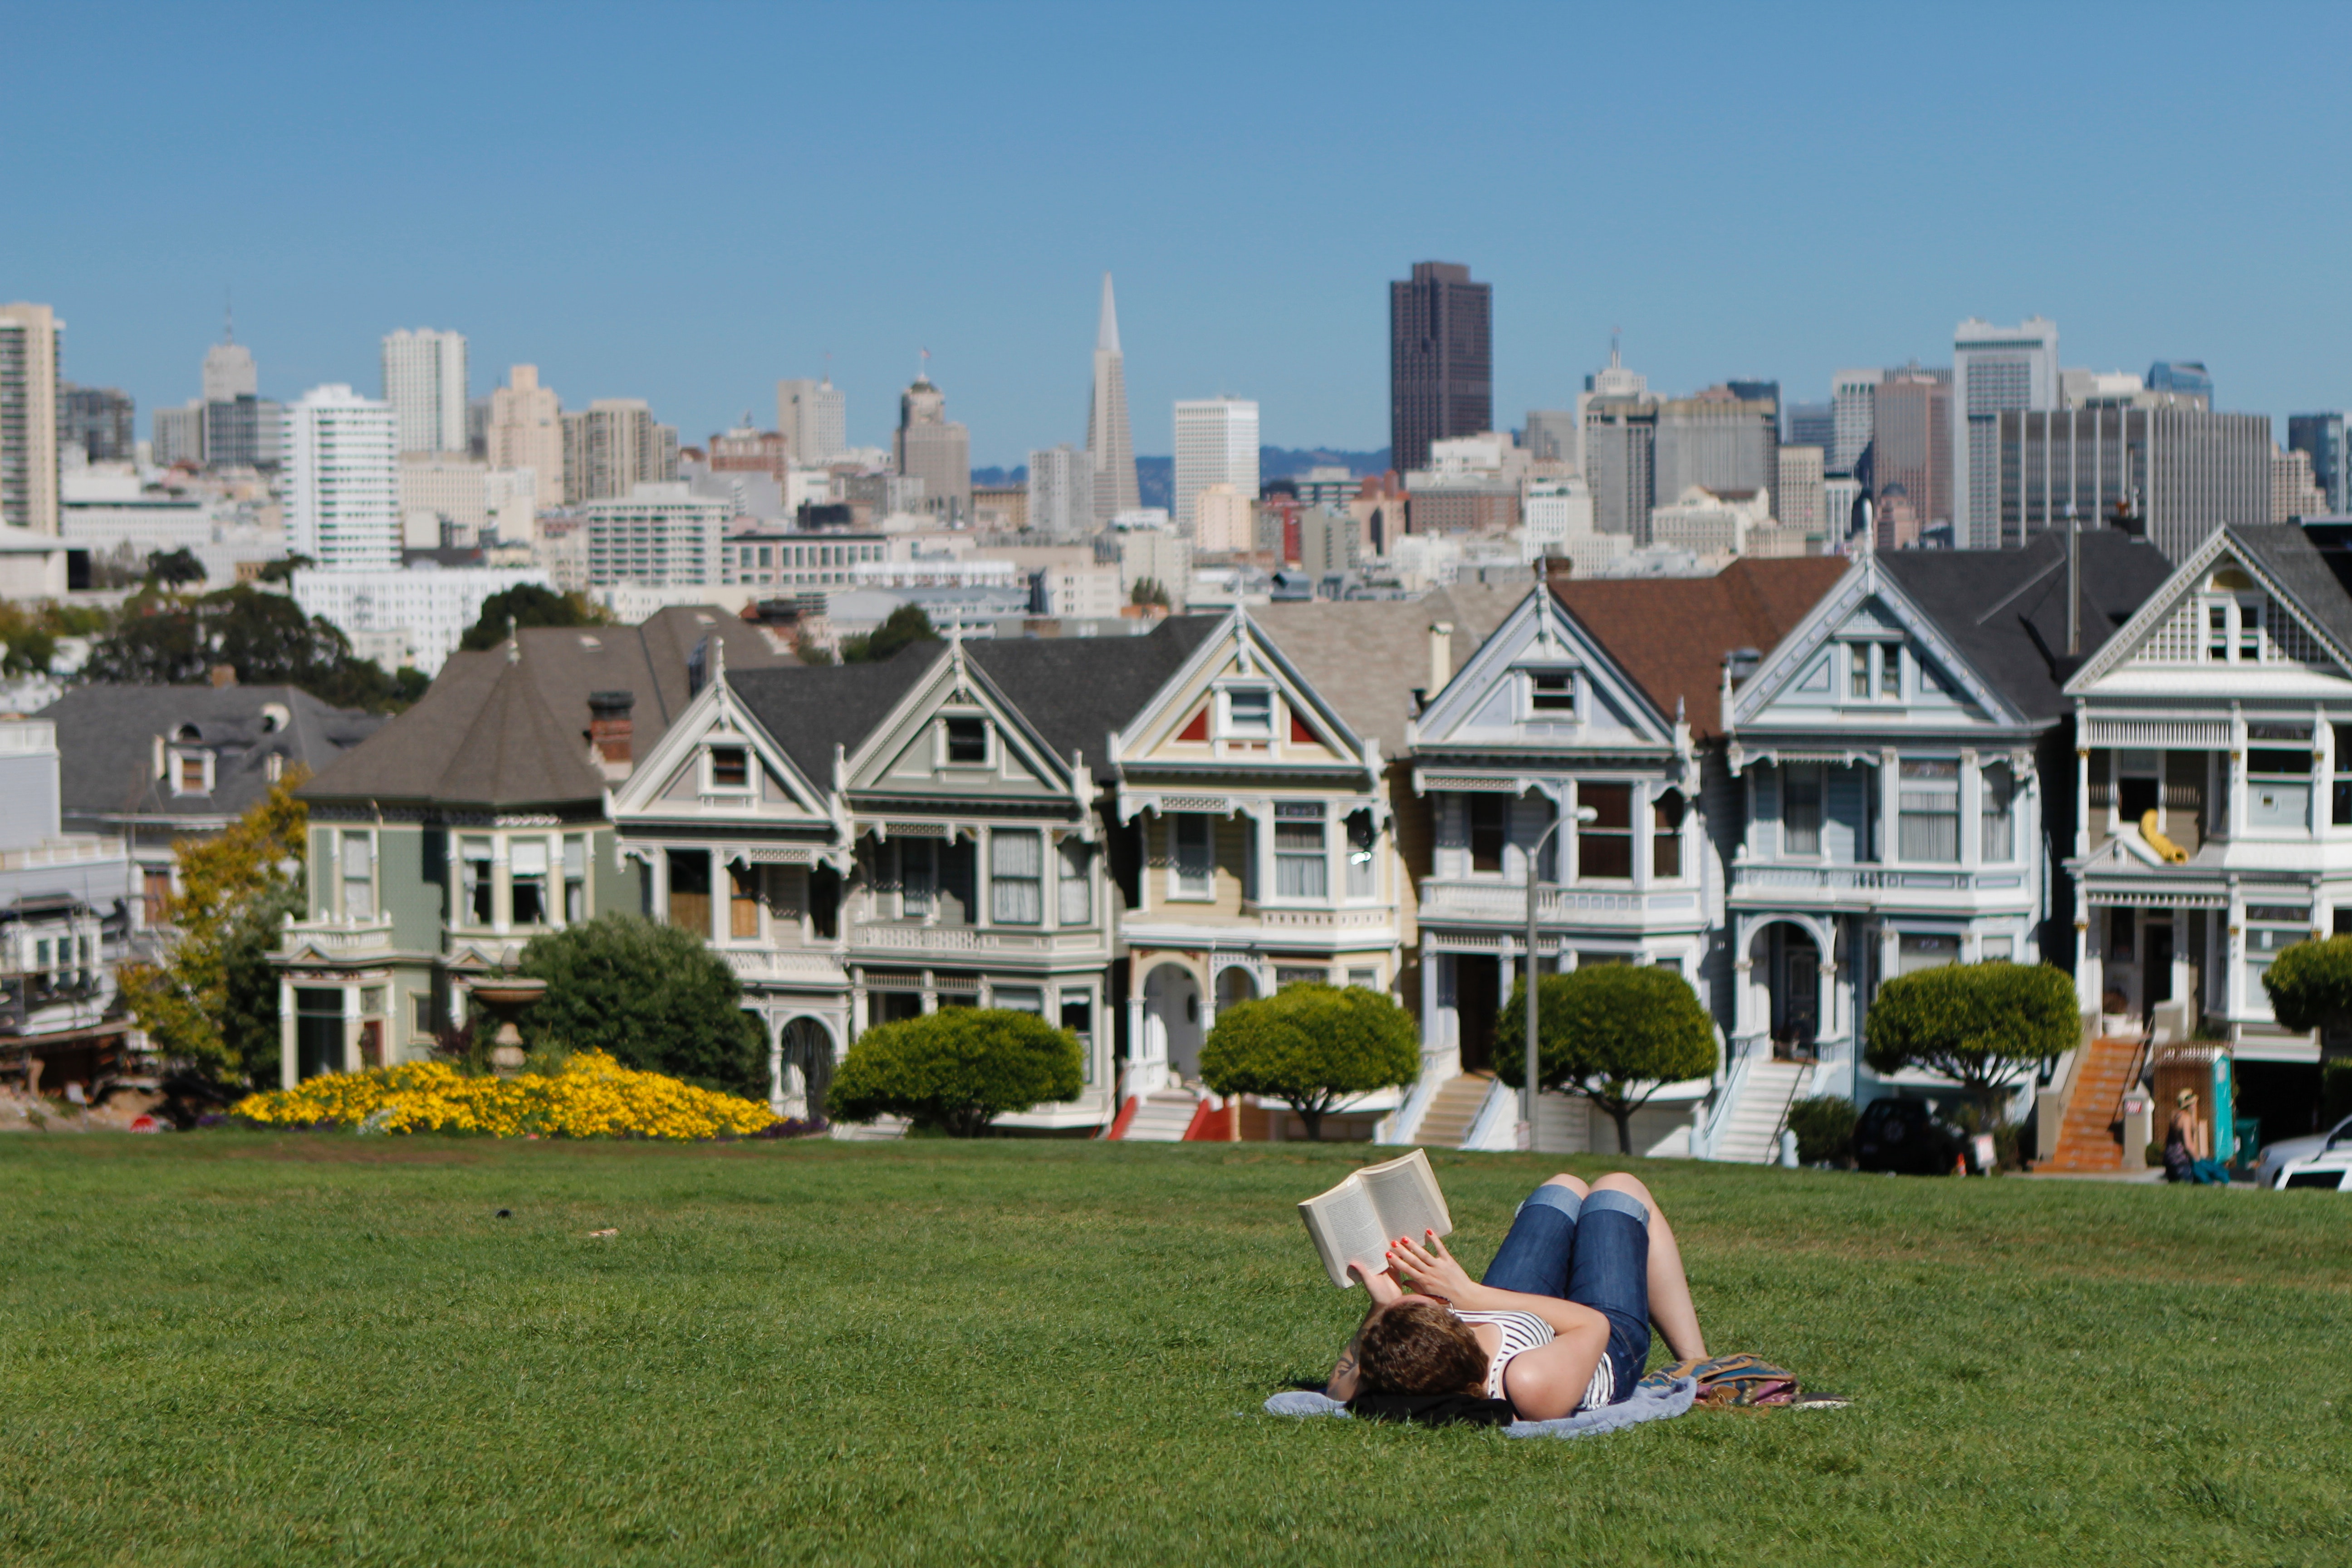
[(282, 570), (1982, 1024), (956, 1069), (212, 1004), (1147, 591), (654, 996), (1616, 1033), (904, 625), (2310, 984), (1824, 1127), (175, 568), (163, 640), (529, 605), (1312, 1046)]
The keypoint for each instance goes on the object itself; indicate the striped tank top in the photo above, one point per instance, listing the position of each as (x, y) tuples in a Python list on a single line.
[(1525, 1331)]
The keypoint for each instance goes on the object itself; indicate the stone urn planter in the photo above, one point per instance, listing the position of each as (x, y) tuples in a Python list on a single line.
[(505, 998)]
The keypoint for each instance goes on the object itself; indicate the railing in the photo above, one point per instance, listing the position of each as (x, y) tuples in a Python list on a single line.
[(1401, 1124), (338, 936), (1741, 1055), (970, 940), (67, 849), (770, 963), (1868, 879), (1326, 920), (1508, 901)]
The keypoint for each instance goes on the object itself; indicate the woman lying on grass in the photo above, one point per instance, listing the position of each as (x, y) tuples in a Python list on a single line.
[(1561, 1323)]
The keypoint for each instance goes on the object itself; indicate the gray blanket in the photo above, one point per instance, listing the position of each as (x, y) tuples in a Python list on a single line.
[(1649, 1403)]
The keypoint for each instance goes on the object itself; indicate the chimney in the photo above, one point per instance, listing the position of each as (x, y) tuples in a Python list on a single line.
[(222, 674), (1441, 655), (611, 731)]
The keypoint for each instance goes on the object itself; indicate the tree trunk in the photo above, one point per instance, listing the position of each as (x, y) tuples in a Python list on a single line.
[(1313, 1117), (1622, 1114)]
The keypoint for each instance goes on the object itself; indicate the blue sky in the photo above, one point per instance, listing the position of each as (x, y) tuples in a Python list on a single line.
[(684, 201)]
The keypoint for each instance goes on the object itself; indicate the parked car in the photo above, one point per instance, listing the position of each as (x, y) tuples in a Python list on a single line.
[(2274, 1156), (1906, 1136), (2329, 1172)]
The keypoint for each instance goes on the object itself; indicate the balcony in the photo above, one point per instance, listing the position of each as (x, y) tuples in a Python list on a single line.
[(1852, 887), (1500, 903), (339, 938), (793, 966), (965, 942)]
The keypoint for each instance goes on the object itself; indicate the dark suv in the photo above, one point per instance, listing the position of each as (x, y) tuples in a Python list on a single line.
[(1904, 1135)]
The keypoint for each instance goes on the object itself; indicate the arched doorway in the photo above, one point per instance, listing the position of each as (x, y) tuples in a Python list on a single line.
[(803, 1068), (1171, 1016), (1234, 984), (1785, 962)]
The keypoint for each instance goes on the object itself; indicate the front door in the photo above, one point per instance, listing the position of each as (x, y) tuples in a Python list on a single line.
[(2156, 970), (1796, 992), (318, 1031), (1474, 1002)]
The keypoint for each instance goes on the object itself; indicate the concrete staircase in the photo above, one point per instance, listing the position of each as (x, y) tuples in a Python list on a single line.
[(1752, 1137), (1163, 1118), (2087, 1140), (1452, 1110)]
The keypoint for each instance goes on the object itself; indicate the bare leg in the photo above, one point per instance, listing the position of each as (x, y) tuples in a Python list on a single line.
[(1571, 1182), (1670, 1298)]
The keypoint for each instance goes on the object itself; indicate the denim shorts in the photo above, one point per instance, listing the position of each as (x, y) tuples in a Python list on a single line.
[(1593, 1251)]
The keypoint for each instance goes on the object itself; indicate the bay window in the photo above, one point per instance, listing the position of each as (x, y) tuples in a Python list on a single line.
[(1075, 899), (2000, 841), (1800, 808), (1300, 868), (527, 869), (359, 876), (1604, 840), (1361, 835), (1666, 836), (1016, 871), (1928, 811), (1191, 854), (478, 885)]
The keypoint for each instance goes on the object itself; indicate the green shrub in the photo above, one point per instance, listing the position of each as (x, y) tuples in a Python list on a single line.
[(956, 1070), (654, 997), (1616, 1033), (2335, 1093), (1824, 1127), (2310, 983), (1312, 1046), (1982, 1025)]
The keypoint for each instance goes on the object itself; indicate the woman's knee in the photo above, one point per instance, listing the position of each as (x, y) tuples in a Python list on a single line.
[(1619, 1181), (1571, 1182)]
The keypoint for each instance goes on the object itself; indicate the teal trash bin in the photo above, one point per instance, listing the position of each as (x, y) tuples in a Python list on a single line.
[(2248, 1129)]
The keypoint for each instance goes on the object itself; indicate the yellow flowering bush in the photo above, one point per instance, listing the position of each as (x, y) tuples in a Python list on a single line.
[(592, 1097)]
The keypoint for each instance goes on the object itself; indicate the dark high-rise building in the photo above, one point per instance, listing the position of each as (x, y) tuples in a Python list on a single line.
[(2183, 472), (1812, 425), (98, 419), (1441, 360), (2184, 376), (2323, 436)]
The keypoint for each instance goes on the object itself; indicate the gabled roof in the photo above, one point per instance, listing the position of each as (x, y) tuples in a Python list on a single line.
[(2005, 610), (510, 726), (1079, 691), (2313, 578), (1366, 657), (106, 744), (1672, 633), (811, 709)]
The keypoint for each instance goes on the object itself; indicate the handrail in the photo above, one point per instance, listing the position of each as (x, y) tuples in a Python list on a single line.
[(1735, 1081), (1399, 1125), (1803, 1079)]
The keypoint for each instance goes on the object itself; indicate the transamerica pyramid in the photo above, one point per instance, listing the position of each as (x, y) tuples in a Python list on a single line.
[(1109, 441)]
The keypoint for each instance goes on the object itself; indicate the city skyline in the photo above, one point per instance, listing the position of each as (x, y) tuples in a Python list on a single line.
[(701, 332)]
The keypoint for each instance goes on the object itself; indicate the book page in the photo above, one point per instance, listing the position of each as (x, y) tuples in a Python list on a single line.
[(1346, 1230), (1404, 1193)]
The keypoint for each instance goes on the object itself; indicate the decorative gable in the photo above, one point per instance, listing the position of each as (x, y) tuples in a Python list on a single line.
[(1541, 679), (955, 736), (717, 761), (2224, 617), (1238, 700), (1866, 657)]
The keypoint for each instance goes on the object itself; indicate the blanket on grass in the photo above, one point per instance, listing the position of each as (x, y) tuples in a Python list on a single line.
[(1651, 1400)]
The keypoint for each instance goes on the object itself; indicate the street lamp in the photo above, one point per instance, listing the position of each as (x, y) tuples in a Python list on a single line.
[(1527, 1131)]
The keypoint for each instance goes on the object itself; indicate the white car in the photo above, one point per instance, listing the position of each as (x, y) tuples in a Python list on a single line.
[(2330, 1171), (2275, 1155)]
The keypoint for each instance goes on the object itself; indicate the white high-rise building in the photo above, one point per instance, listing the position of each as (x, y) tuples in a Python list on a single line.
[(1111, 442), (815, 418), (1803, 503), (526, 431), (1994, 371), (658, 536), (29, 417), (1224, 521), (425, 382), (1061, 493), (1216, 444), (339, 479), (1853, 402), (229, 373)]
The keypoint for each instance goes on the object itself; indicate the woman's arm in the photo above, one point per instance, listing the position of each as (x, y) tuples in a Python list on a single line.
[(1384, 1289), (1433, 1272)]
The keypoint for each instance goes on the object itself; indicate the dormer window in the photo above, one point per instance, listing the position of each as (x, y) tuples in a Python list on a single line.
[(1551, 693), (1873, 672), (966, 740), (731, 767), (1249, 713)]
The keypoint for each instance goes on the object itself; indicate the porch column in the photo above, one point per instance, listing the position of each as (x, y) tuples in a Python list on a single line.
[(352, 1062), (1432, 1038), (1971, 805), (775, 1064), (288, 1062), (1743, 990), (2082, 803), (2190, 1011), (2088, 981)]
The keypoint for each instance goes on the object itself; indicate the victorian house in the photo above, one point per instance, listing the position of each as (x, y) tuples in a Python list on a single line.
[(1902, 763), (477, 820)]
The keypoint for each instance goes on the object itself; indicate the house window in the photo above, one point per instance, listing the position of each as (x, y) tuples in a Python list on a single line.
[(158, 886), (2270, 928), (966, 742), (742, 902), (1286, 975), (2278, 789), (2340, 812), (2000, 816), (1079, 1017), (527, 871), (1073, 904), (1858, 671), (1552, 692), (1194, 860), (1362, 837), (2233, 626), (191, 780), (1916, 951), (420, 1013), (1800, 808), (689, 891), (731, 767), (1930, 810), (1489, 827), (1016, 877), (1301, 869), (918, 878), (478, 885), (1890, 671), (1249, 712), (1666, 836), (1605, 843), (575, 878), (1019, 999), (359, 876)]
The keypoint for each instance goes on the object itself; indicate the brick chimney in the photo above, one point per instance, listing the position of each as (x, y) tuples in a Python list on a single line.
[(611, 732)]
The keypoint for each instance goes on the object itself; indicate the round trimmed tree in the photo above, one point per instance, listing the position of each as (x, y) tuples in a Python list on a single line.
[(1312, 1046), (655, 997), (2310, 984), (956, 1069), (1616, 1033), (1984, 1025)]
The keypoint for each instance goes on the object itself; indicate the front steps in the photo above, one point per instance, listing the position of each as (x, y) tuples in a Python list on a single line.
[(1162, 1117), (1453, 1111), (1753, 1136), (2087, 1140)]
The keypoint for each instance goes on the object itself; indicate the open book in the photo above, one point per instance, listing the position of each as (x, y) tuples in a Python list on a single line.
[(1356, 1221)]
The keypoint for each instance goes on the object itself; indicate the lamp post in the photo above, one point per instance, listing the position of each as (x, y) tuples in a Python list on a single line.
[(1526, 1130)]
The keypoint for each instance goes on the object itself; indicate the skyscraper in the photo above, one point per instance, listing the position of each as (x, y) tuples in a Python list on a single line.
[(341, 480), (1062, 492), (1111, 442), (526, 431), (1852, 401), (1811, 424), (1554, 436), (614, 446), (425, 382), (814, 417), (2187, 376), (229, 373), (29, 417), (1441, 360), (1216, 444), (98, 419), (929, 447), (2184, 470), (1719, 440), (1911, 456), (2323, 436), (1995, 371)]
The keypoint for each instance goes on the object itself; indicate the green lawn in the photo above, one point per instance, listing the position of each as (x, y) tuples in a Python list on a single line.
[(235, 1348)]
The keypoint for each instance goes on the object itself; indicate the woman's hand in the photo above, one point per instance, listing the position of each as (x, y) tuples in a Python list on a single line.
[(1429, 1268), (1383, 1285)]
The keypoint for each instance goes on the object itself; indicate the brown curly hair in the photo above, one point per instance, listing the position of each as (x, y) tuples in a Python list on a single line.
[(1418, 1347)]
